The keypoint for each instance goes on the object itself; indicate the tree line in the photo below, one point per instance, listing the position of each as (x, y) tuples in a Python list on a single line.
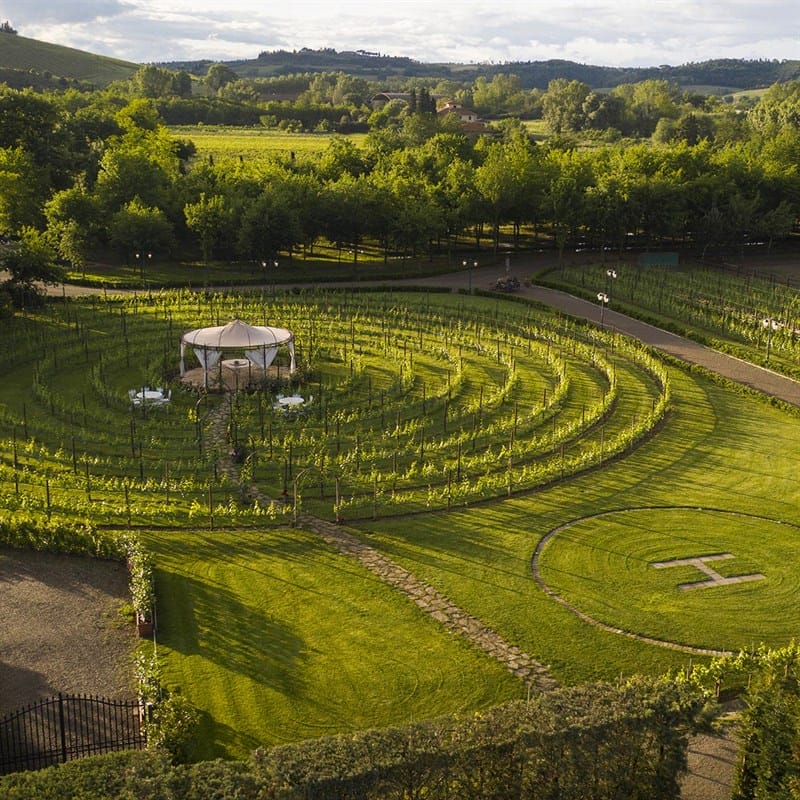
[(722, 72), (82, 173), (341, 101)]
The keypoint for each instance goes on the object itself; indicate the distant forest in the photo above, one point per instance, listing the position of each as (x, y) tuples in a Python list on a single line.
[(729, 73)]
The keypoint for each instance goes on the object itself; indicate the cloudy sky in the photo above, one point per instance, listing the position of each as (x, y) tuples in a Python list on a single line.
[(603, 32)]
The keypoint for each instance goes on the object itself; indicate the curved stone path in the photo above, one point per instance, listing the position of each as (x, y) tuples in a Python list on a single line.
[(533, 674), (432, 602), (217, 439)]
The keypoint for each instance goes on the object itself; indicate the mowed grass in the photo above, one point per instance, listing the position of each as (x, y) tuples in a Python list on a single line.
[(604, 566), (276, 637), (716, 450)]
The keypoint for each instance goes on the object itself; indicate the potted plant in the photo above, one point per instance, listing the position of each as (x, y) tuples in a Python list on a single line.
[(238, 453)]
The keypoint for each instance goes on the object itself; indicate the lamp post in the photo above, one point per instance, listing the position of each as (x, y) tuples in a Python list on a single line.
[(472, 265), (771, 325), (611, 276), (140, 259), (265, 265), (602, 298)]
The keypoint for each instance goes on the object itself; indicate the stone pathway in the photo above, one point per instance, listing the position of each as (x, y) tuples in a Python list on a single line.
[(533, 674), (217, 438)]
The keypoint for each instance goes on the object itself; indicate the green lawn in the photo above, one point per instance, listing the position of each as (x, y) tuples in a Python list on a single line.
[(604, 567), (324, 265), (717, 450), (277, 638)]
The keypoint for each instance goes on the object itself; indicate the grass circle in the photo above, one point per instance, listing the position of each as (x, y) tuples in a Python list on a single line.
[(602, 568)]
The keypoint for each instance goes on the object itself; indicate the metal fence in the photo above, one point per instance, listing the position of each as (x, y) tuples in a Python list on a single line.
[(64, 727)]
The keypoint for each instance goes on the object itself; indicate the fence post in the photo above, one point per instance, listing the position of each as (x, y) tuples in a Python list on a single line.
[(62, 727)]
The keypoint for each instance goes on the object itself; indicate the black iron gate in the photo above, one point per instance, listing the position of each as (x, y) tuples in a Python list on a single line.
[(64, 727)]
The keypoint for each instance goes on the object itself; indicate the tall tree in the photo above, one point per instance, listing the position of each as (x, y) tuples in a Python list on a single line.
[(29, 261), (209, 218), (563, 105), (22, 189), (140, 229), (219, 75), (267, 227), (351, 211)]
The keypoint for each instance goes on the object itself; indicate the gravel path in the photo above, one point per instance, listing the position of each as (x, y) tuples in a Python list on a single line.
[(752, 375), (63, 631), (764, 380)]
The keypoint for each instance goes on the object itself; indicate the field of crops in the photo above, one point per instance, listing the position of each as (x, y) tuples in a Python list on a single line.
[(247, 144), (753, 316), (412, 403)]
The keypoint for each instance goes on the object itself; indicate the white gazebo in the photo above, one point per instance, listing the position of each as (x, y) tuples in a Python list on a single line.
[(259, 343)]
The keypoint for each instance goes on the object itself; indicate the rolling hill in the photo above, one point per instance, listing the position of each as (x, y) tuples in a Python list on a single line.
[(26, 62), (718, 76), (30, 62)]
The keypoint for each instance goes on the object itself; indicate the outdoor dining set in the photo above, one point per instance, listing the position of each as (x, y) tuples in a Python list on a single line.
[(293, 402), (149, 397)]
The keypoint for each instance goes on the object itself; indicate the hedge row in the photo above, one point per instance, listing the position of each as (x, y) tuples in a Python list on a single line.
[(29, 532), (595, 742)]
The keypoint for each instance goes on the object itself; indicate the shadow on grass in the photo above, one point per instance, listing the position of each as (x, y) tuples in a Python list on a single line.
[(213, 739), (216, 623)]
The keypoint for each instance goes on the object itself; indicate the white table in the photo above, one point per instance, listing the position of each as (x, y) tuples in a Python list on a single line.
[(236, 363), (291, 401), (148, 396)]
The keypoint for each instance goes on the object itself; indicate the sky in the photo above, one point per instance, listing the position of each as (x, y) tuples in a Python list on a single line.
[(600, 32)]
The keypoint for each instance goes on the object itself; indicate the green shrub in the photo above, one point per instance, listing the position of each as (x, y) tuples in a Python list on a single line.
[(172, 727), (24, 531), (140, 567), (598, 741), (122, 776)]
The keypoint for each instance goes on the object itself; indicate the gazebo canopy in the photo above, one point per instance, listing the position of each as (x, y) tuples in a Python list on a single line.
[(259, 342), (237, 335)]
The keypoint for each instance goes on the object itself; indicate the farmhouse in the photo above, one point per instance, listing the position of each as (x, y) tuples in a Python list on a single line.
[(470, 121)]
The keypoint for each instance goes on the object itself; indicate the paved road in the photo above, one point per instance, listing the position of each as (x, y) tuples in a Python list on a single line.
[(764, 380)]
